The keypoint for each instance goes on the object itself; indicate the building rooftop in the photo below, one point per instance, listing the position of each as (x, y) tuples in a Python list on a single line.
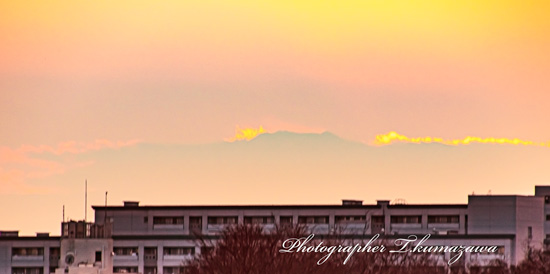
[(230, 207)]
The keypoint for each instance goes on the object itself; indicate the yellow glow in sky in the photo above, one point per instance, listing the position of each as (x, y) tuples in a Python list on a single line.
[(394, 137), (246, 133)]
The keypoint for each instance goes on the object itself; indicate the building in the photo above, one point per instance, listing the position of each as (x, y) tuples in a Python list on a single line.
[(157, 239)]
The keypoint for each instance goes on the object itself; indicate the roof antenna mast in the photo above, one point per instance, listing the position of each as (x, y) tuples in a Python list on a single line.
[(86, 201)]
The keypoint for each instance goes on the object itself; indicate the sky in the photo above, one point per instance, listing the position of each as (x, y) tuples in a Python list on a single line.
[(80, 81)]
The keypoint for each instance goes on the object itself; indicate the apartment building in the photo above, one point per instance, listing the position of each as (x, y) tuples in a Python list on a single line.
[(157, 239)]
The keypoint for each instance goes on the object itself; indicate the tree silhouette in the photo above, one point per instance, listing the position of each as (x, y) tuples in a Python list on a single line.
[(251, 249)]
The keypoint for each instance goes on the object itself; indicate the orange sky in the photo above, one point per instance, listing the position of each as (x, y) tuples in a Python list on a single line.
[(188, 72)]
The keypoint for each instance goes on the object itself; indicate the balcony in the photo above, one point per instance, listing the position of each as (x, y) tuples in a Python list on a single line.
[(150, 260), (27, 258), (318, 228), (406, 225), (351, 228), (179, 257), (54, 260), (168, 227), (406, 228), (444, 226), (125, 269), (195, 229), (126, 257), (215, 228)]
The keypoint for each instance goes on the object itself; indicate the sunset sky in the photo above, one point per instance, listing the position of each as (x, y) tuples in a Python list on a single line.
[(85, 83)]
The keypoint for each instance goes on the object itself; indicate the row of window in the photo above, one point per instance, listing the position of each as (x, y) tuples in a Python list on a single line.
[(27, 270), (166, 270), (125, 269), (405, 219), (396, 219), (34, 251), (149, 270), (152, 251), (167, 220), (125, 251), (437, 219), (27, 251), (179, 250)]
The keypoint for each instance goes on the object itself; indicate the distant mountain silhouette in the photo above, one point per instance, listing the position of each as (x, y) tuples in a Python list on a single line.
[(292, 168), (288, 167)]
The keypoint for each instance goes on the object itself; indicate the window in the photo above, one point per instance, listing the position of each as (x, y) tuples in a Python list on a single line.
[(195, 224), (145, 219), (259, 220), (168, 220), (98, 256), (222, 220), (27, 270), (125, 251), (377, 219), (55, 253), (27, 251), (351, 219), (466, 224), (179, 251), (443, 219), (406, 219), (547, 199), (125, 269), (313, 219), (286, 220), (548, 217), (173, 270), (150, 270), (150, 252), (530, 233), (195, 220)]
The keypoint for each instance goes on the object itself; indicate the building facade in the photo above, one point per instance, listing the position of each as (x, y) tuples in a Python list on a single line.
[(158, 239)]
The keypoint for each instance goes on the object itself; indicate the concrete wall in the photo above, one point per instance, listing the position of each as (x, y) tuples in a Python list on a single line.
[(491, 214), (84, 251), (7, 260), (530, 216), (516, 215)]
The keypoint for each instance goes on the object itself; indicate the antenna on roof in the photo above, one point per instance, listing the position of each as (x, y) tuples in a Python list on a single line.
[(63, 213), (105, 216), (86, 200)]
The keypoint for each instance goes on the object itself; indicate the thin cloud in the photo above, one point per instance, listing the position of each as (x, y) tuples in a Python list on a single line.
[(19, 165), (74, 147)]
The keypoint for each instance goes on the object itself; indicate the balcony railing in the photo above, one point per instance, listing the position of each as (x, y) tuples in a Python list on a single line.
[(168, 226), (125, 258), (28, 258)]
